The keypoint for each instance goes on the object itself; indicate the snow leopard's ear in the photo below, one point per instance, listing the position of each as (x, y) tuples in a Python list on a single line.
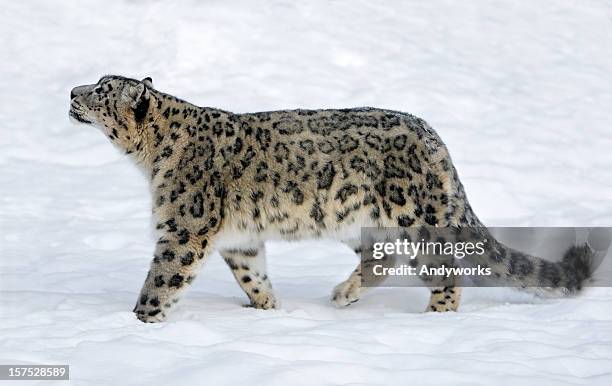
[(148, 82), (138, 98)]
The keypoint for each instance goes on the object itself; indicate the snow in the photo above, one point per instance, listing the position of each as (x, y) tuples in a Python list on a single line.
[(519, 91)]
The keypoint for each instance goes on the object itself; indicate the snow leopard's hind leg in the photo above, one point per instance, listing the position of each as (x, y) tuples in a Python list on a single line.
[(445, 295), (350, 290), (248, 266), (461, 215), (444, 299)]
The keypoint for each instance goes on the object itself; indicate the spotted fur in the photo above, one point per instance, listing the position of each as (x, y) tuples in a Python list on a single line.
[(229, 182)]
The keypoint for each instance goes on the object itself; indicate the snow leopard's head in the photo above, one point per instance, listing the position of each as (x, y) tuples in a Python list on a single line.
[(116, 105)]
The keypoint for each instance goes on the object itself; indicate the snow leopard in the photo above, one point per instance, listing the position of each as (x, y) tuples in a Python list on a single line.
[(228, 182)]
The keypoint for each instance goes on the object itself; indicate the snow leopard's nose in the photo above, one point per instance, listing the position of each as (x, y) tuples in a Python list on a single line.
[(75, 92)]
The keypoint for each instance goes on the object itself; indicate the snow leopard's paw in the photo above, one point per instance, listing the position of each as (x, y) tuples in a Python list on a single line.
[(149, 310), (347, 292), (265, 301)]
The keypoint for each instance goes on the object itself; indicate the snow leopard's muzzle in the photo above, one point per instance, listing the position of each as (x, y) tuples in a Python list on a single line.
[(76, 106)]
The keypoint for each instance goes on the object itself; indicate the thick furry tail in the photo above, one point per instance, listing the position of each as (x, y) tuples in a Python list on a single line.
[(513, 268)]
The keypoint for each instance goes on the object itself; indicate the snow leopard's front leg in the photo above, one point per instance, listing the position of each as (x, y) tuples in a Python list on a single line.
[(175, 265), (248, 265), (350, 290)]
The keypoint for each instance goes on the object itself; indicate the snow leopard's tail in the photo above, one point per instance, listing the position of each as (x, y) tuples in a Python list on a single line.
[(517, 269), (513, 268)]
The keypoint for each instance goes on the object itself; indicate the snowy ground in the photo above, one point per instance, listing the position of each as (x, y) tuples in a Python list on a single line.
[(520, 91)]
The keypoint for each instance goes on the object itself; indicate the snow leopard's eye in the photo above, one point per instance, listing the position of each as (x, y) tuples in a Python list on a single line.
[(98, 90)]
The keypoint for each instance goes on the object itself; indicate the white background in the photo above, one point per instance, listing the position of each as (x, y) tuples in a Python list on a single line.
[(520, 91)]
